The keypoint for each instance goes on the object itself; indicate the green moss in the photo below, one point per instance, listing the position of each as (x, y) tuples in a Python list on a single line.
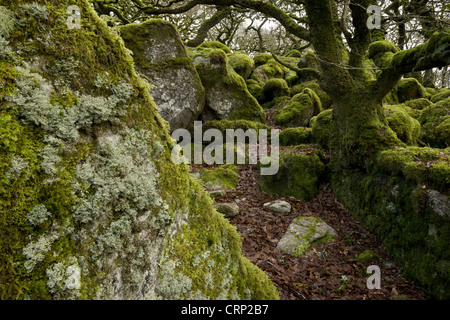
[(255, 89), (314, 85), (299, 110), (275, 88), (443, 94), (221, 81), (277, 103), (367, 256), (224, 177), (410, 89), (215, 45), (321, 128), (299, 175), (295, 136), (309, 60), (378, 48), (262, 58), (422, 165), (418, 104), (434, 120), (223, 125), (294, 54), (309, 238), (242, 64), (397, 211), (406, 127)]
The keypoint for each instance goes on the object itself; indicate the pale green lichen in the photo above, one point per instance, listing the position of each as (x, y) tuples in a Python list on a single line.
[(8, 22), (38, 215), (18, 165), (36, 11)]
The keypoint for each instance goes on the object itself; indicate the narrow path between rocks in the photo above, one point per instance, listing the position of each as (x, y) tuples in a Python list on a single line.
[(328, 271)]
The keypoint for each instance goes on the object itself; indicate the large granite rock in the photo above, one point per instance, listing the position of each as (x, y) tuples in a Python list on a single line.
[(92, 206), (227, 96), (162, 58)]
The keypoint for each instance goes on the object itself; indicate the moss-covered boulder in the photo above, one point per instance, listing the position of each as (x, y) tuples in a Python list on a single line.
[(309, 60), (92, 205), (435, 121), (277, 103), (325, 99), (295, 136), (262, 58), (227, 96), (160, 55), (275, 88), (422, 165), (242, 64), (215, 45), (270, 69), (299, 175), (255, 89), (224, 177), (321, 128), (410, 89), (418, 104), (443, 94), (411, 219), (406, 127), (381, 51), (299, 110)]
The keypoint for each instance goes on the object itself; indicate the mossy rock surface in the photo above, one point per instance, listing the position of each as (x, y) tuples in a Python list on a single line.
[(227, 96), (435, 121), (299, 175), (161, 56), (299, 110), (295, 136), (262, 58), (406, 127), (215, 45), (224, 177), (418, 104), (242, 64), (443, 94), (325, 99), (255, 89), (269, 70), (89, 194), (321, 128), (275, 88), (410, 89), (420, 164), (401, 213)]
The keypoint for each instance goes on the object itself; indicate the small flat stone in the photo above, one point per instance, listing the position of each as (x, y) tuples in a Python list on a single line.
[(278, 206), (228, 209), (302, 233)]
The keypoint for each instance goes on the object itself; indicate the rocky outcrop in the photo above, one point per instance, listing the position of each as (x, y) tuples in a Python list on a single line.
[(162, 58), (227, 96), (92, 206)]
